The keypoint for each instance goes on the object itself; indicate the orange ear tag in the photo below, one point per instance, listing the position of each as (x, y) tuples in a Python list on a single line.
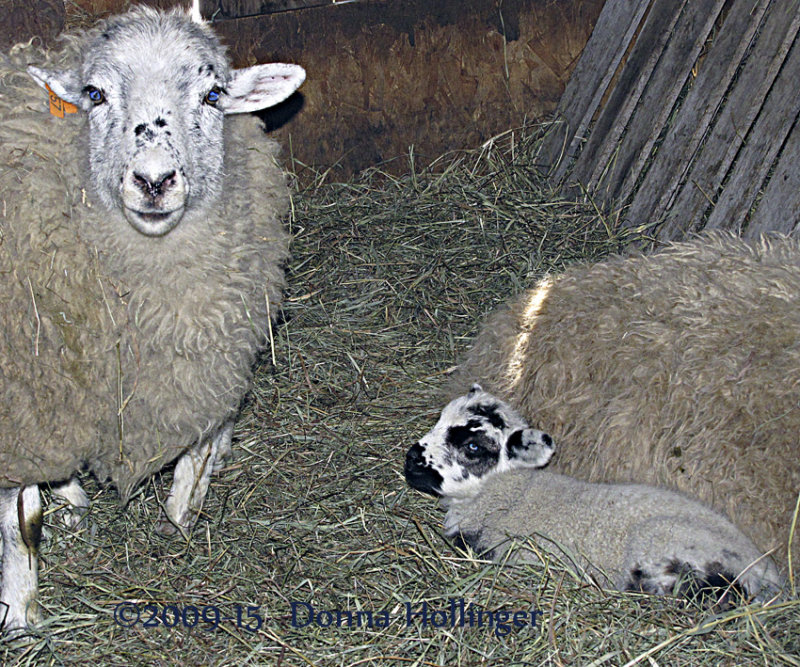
[(59, 107)]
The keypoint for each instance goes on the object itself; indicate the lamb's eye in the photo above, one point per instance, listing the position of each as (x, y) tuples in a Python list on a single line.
[(473, 449), (212, 96), (95, 95)]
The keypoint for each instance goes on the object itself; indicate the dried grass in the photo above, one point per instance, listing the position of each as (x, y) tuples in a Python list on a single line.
[(389, 280)]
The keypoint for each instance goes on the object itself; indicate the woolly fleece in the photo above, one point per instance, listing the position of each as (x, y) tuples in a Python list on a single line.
[(118, 351), (608, 530), (679, 369)]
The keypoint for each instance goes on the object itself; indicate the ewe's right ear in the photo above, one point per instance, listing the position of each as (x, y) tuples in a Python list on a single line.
[(260, 87), (66, 84), (530, 448)]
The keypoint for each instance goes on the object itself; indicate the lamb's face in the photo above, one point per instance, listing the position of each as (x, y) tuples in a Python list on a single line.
[(476, 435), (156, 87)]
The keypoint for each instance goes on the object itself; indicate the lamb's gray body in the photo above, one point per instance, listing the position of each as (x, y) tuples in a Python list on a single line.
[(483, 461), (141, 252), (679, 369), (640, 537)]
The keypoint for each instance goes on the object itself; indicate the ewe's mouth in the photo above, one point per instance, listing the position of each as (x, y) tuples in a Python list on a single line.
[(152, 223)]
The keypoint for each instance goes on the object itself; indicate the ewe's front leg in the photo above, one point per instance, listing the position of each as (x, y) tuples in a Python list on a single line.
[(21, 528), (192, 477)]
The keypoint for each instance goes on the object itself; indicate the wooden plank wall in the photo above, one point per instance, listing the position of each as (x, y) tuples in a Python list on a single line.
[(682, 115)]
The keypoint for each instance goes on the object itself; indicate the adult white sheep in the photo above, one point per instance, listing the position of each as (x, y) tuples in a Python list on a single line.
[(679, 369), (141, 255), (481, 458)]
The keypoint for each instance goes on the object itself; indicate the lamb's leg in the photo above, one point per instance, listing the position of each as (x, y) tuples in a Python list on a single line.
[(192, 477), (21, 527), (710, 583), (72, 492)]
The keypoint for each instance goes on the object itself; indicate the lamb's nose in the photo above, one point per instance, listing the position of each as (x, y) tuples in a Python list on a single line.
[(414, 458), (154, 187)]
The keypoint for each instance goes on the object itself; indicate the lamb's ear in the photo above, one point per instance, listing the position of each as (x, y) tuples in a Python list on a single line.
[(530, 447), (474, 389), (65, 83), (261, 86)]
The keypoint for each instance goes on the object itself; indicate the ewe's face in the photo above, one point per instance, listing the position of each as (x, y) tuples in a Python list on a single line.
[(156, 87), (155, 135), (476, 435)]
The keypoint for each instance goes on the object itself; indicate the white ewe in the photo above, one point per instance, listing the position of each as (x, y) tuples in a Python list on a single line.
[(141, 254)]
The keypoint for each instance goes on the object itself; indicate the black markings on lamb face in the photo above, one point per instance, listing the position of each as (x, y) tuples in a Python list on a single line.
[(419, 474), (475, 451), (489, 411), (160, 122), (514, 444)]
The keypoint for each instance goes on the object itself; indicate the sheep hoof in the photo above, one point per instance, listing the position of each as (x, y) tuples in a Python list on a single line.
[(165, 527)]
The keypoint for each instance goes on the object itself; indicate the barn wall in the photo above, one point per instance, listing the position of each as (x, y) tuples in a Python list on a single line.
[(385, 75), (435, 74)]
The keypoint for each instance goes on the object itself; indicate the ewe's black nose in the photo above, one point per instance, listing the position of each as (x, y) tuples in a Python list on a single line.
[(153, 187)]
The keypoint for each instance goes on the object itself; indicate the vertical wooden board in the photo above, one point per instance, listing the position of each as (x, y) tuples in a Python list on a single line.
[(724, 142), (779, 208), (633, 80), (677, 152), (657, 102), (587, 85)]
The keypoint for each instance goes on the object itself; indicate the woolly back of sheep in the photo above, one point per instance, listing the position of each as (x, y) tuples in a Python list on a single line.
[(681, 369)]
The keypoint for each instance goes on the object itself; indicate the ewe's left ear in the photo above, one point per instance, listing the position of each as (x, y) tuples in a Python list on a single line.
[(530, 447), (65, 83), (261, 86)]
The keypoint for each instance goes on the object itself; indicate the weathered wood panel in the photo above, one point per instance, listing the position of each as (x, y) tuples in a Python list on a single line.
[(696, 130), (779, 210), (674, 69), (624, 99), (704, 100), (733, 143), (590, 80)]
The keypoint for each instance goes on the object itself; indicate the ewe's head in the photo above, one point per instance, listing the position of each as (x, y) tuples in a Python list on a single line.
[(477, 435), (156, 86)]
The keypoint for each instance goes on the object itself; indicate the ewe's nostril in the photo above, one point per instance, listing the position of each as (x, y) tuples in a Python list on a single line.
[(155, 187)]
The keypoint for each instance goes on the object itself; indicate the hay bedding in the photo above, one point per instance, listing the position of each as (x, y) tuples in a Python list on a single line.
[(390, 278)]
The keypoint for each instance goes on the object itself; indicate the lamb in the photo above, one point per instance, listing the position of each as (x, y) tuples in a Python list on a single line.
[(679, 369), (484, 461), (141, 258)]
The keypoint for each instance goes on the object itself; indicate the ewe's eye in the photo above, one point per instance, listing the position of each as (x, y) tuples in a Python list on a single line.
[(95, 95), (212, 96)]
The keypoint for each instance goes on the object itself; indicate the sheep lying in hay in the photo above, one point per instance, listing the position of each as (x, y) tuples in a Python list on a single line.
[(481, 458), (680, 369), (141, 255)]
